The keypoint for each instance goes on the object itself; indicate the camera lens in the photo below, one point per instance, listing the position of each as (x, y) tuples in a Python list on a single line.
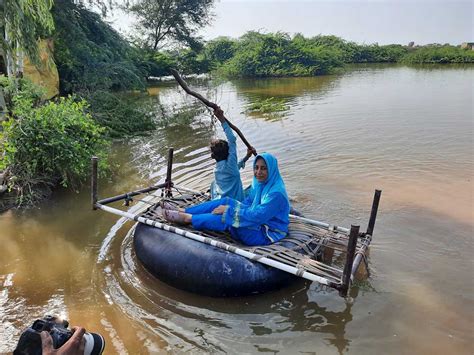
[(94, 344)]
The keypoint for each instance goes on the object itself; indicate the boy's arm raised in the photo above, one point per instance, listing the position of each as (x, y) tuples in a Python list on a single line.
[(206, 102)]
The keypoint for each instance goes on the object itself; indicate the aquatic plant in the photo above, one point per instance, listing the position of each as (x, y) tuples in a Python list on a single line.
[(267, 106)]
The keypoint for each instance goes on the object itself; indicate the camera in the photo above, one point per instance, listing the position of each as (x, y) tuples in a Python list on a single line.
[(30, 339)]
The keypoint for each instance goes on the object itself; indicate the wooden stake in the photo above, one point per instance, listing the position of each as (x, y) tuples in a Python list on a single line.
[(351, 248), (94, 182), (373, 212), (168, 181)]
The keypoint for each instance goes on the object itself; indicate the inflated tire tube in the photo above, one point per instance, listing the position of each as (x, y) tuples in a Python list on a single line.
[(201, 268)]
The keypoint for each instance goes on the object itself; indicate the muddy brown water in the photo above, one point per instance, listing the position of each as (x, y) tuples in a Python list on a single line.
[(405, 130)]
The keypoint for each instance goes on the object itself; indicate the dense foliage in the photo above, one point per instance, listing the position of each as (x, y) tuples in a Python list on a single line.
[(265, 55), (22, 22), (95, 63), (91, 55), (46, 144), (278, 54), (352, 52), (439, 55), (220, 50), (257, 54)]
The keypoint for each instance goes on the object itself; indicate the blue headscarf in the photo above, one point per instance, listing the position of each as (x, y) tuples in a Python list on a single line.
[(273, 184)]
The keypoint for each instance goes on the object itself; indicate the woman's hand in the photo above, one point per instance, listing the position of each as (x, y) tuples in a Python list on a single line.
[(220, 209)]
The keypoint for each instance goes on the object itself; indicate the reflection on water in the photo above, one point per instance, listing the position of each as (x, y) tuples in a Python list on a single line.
[(286, 91), (286, 87), (406, 130), (194, 323)]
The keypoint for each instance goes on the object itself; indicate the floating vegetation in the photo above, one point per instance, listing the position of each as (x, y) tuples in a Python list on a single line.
[(270, 108)]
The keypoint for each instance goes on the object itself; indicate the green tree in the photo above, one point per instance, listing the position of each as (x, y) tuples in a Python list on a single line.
[(220, 50), (277, 54), (160, 21), (164, 62), (90, 54), (22, 22)]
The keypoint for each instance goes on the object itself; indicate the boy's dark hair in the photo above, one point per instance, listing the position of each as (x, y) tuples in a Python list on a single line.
[(219, 149)]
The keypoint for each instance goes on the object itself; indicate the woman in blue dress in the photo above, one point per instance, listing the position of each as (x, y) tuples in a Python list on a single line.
[(260, 219)]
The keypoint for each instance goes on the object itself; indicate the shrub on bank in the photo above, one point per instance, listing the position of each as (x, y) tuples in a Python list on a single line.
[(46, 145), (277, 55), (439, 55)]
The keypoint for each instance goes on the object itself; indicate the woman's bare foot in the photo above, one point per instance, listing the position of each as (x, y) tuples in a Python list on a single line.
[(176, 216), (167, 205)]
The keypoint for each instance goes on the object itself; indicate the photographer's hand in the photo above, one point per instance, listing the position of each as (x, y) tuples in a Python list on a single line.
[(75, 344)]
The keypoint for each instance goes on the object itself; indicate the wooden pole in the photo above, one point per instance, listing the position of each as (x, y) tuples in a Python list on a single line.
[(351, 248), (373, 212), (208, 103), (362, 253), (108, 200), (168, 181), (94, 182)]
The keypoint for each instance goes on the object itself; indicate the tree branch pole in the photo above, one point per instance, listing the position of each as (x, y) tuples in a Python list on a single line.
[(208, 103)]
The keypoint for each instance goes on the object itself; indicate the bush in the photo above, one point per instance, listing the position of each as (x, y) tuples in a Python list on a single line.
[(439, 55), (277, 55), (48, 145), (21, 89)]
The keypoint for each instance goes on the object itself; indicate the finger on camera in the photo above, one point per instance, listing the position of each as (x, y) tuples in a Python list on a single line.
[(78, 332), (46, 340)]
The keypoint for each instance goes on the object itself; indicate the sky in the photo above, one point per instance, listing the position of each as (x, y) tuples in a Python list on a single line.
[(369, 21)]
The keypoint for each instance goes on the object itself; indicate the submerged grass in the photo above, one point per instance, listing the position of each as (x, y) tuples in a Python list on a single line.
[(269, 108)]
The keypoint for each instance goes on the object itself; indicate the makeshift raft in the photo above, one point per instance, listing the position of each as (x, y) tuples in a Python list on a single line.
[(212, 263)]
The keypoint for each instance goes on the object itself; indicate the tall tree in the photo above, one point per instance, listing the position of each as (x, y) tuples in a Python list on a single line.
[(161, 21), (21, 23)]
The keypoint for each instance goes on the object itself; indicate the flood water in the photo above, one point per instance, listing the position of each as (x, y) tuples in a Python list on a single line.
[(405, 130)]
